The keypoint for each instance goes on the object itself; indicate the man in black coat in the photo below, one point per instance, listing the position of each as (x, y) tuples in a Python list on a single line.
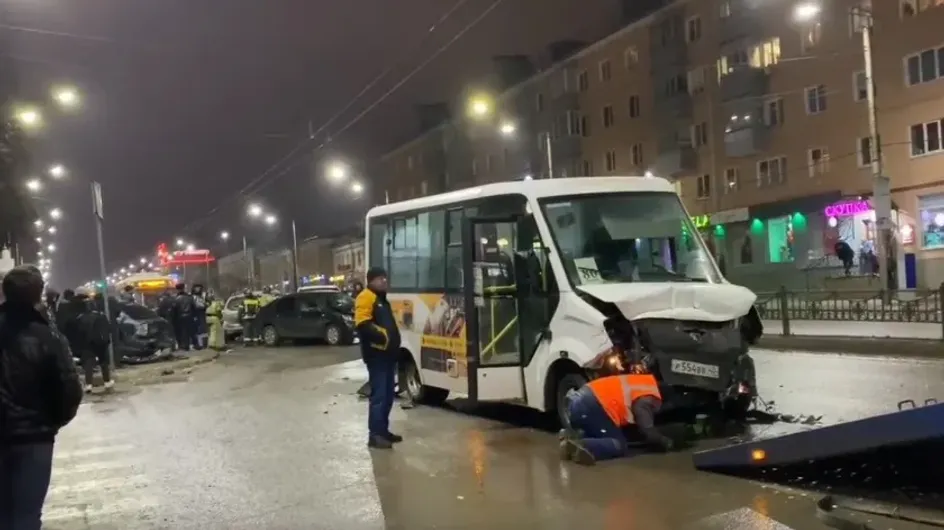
[(182, 316), (39, 394)]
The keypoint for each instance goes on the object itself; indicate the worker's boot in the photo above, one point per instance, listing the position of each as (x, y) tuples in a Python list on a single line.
[(580, 454)]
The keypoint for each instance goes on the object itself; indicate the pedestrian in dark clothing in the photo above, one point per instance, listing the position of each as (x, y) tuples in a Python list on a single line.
[(89, 334), (182, 319), (380, 348), (39, 394), (200, 303)]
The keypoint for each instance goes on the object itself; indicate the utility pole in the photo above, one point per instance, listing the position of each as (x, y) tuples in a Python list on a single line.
[(97, 200), (881, 186), (294, 258)]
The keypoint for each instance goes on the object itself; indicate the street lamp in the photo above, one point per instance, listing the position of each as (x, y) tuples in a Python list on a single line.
[(507, 129), (39, 239), (180, 242), (67, 97), (224, 235), (881, 185), (34, 185), (55, 213), (337, 172), (270, 219), (255, 210), (191, 247), (38, 223), (51, 247), (142, 261), (52, 230), (29, 117), (123, 270), (357, 188), (57, 171), (480, 107)]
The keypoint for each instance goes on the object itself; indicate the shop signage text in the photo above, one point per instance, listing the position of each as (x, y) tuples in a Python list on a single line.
[(847, 209)]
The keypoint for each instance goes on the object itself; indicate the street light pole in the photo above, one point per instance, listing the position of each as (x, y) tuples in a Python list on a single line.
[(550, 156), (881, 187), (97, 201), (294, 258), (249, 272)]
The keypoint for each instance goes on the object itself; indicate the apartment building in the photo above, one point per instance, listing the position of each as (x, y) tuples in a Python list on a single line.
[(761, 117), (758, 115)]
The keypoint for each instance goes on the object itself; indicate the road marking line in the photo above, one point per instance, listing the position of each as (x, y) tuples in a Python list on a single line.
[(95, 467), (93, 451), (98, 485), (97, 513), (740, 518)]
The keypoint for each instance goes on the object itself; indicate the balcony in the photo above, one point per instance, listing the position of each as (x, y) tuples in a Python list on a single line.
[(744, 82), (676, 160), (742, 23), (675, 106), (749, 140)]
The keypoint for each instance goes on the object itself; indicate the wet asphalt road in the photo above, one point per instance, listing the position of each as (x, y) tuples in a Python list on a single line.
[(274, 439)]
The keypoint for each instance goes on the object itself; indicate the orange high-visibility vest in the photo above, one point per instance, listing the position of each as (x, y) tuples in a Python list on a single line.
[(616, 394)]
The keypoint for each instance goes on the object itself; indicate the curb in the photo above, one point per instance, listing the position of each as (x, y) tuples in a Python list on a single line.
[(855, 345), (156, 371)]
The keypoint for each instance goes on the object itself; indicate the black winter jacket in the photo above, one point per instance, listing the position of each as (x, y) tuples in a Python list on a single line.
[(40, 391)]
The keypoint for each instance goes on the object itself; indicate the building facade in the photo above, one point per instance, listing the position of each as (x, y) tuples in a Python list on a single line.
[(349, 263)]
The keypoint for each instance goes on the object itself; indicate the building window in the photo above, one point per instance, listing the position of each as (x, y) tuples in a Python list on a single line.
[(816, 99), (780, 238), (693, 30), (634, 106), (926, 138), (725, 9), (773, 112), (631, 57), (606, 71), (608, 117), (910, 8), (636, 154), (924, 66), (539, 102), (758, 56), (812, 35), (583, 81), (609, 160), (860, 86), (731, 180), (864, 150), (677, 84), (475, 167), (587, 168), (542, 141), (772, 171), (817, 160), (696, 81), (489, 165), (931, 217), (704, 187), (424, 188), (575, 123), (700, 134), (409, 162)]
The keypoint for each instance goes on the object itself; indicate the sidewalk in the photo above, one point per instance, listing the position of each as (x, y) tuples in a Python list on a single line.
[(146, 374), (909, 339)]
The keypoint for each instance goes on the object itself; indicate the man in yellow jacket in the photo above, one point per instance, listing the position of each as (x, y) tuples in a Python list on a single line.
[(380, 348)]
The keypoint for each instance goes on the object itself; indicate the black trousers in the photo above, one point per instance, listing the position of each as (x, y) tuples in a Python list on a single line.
[(92, 358), (184, 332)]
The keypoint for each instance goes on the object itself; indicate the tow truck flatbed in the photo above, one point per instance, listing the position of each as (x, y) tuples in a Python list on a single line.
[(905, 427)]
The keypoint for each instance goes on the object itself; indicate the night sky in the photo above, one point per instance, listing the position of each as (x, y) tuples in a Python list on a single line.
[(188, 101)]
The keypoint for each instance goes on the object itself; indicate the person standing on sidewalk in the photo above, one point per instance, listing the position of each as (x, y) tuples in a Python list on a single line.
[(40, 393), (380, 348), (92, 339)]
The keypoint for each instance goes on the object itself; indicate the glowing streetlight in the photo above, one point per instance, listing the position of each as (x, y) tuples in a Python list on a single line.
[(180, 242), (38, 223), (67, 97), (337, 172), (507, 129), (39, 239), (57, 171), (254, 210), (55, 213), (270, 220), (357, 188), (806, 11), (480, 107), (34, 184), (142, 261), (191, 247), (123, 270), (224, 235), (52, 230), (51, 247), (29, 117)]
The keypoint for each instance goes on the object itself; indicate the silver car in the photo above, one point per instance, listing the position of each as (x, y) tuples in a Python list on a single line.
[(232, 327)]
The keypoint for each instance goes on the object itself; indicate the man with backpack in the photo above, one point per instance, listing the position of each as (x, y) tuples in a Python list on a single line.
[(40, 393), (88, 332)]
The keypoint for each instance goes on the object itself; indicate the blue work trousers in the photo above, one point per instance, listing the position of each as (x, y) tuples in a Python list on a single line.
[(601, 437), (25, 471), (381, 375)]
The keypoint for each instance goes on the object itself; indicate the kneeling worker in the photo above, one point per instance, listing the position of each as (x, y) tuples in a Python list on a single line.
[(599, 411)]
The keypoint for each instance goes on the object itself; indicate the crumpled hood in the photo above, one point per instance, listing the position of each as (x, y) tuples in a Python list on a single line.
[(710, 302)]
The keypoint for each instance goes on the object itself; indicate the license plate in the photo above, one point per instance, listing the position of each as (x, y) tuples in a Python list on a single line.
[(696, 369)]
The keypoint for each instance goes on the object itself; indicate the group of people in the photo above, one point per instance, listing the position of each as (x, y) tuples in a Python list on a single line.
[(80, 318), (188, 314), (610, 417), (40, 389)]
